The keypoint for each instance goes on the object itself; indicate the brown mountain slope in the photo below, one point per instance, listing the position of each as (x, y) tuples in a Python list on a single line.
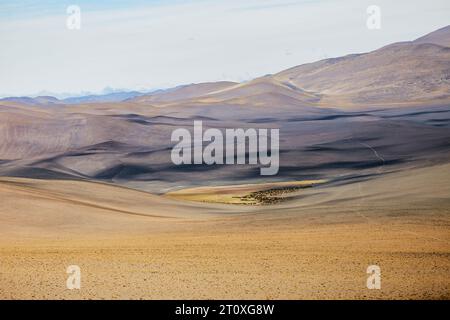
[(440, 37), (403, 73), (413, 73)]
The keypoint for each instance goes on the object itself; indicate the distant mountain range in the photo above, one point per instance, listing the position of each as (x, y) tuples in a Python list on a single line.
[(400, 74), (48, 100)]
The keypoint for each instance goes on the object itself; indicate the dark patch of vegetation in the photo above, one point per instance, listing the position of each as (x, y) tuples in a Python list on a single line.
[(271, 196)]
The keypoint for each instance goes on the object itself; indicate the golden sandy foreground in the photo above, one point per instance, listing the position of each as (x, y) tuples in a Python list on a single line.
[(133, 245)]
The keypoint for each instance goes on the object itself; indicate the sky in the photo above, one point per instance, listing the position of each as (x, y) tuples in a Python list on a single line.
[(148, 45)]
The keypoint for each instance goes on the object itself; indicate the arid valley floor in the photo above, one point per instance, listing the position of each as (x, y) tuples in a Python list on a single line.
[(130, 245)]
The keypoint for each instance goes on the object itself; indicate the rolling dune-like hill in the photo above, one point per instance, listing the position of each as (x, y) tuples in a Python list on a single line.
[(332, 114)]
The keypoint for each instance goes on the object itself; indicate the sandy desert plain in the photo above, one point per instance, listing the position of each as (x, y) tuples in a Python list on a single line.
[(364, 180)]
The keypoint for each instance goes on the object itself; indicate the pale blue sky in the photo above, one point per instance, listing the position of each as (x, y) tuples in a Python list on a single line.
[(141, 44)]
